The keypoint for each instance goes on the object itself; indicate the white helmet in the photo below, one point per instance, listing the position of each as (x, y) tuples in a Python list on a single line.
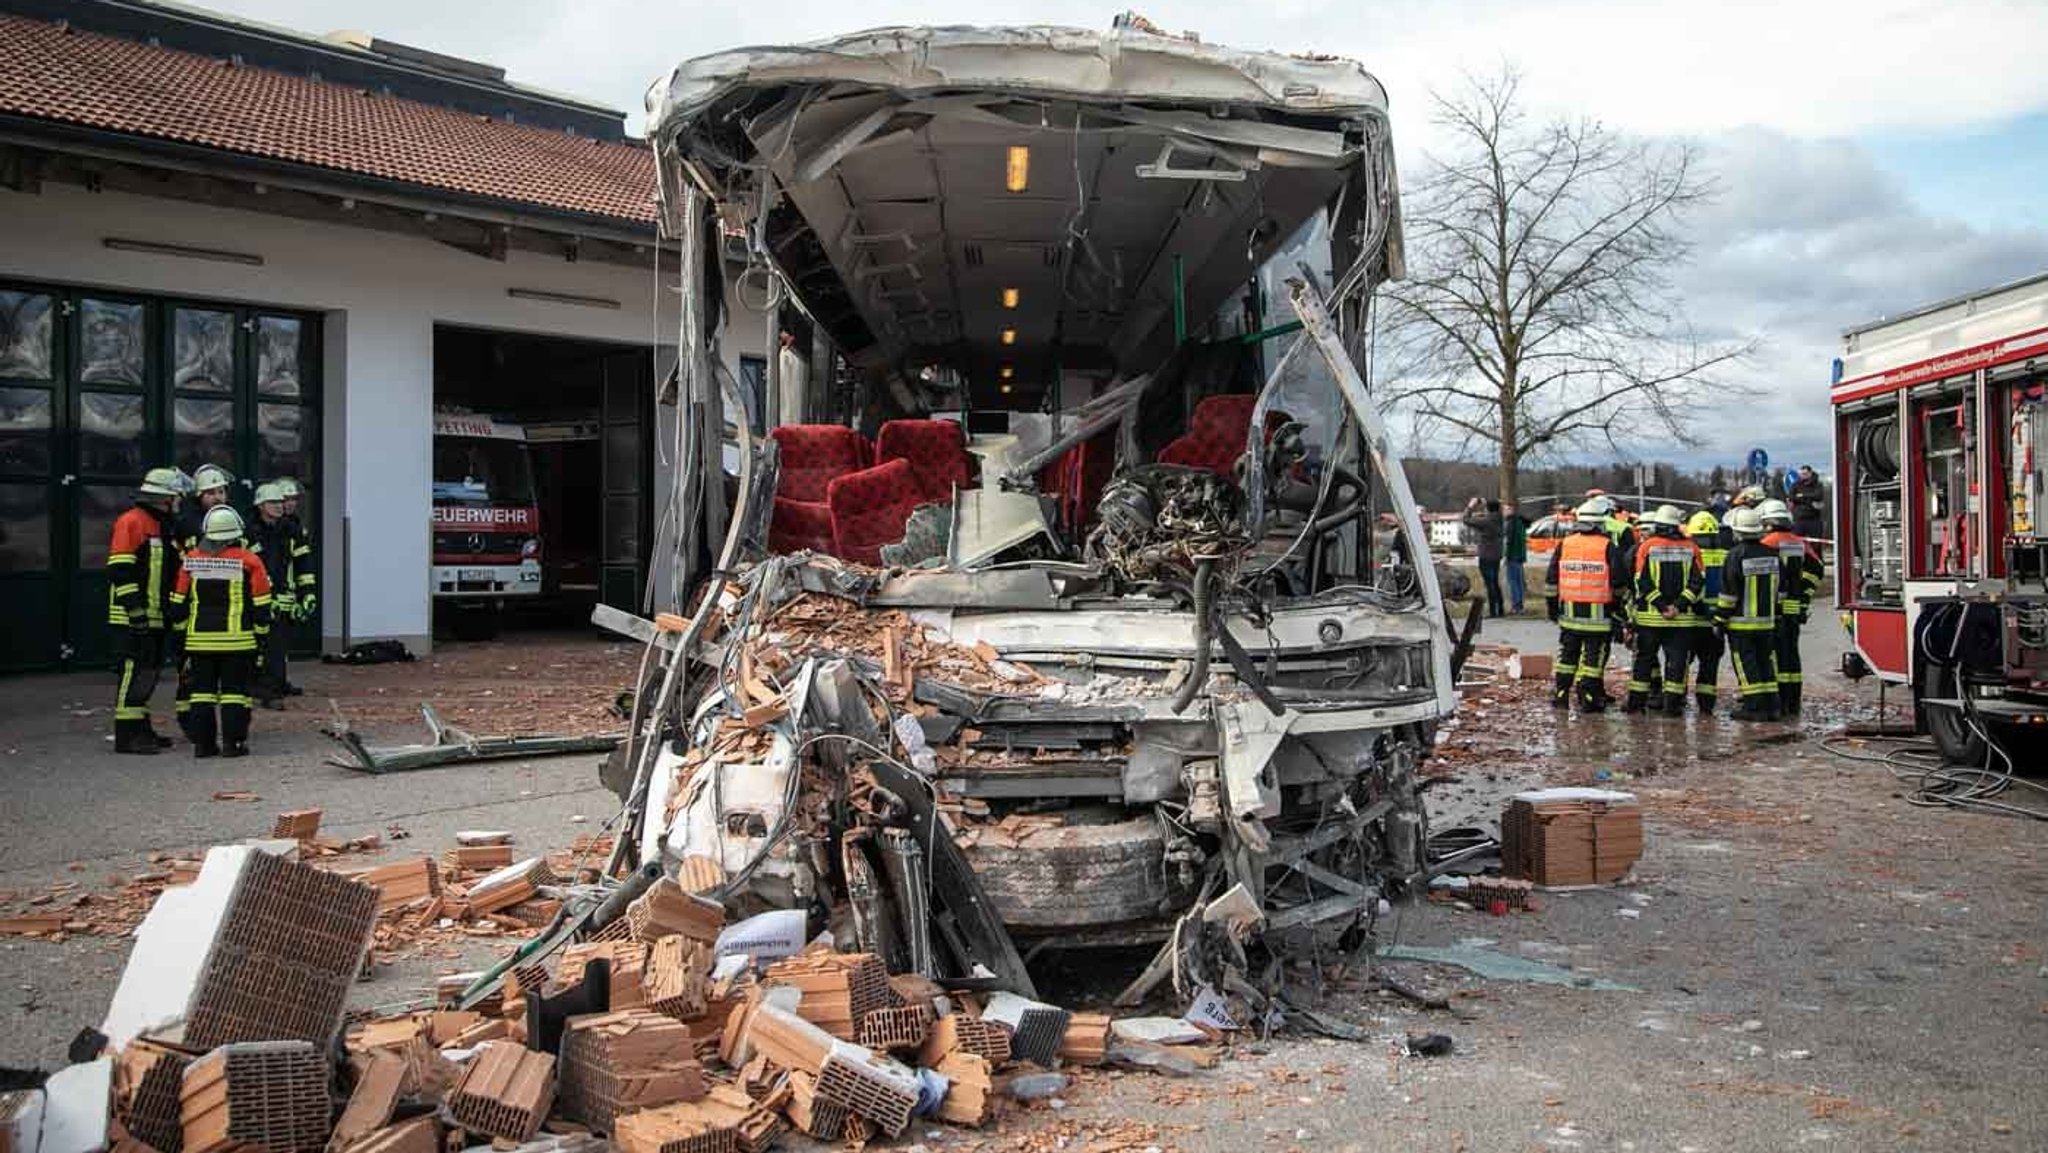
[(210, 477), (1668, 515), (161, 482), (1745, 523), (270, 491), (288, 487), (222, 524), (1752, 495), (1597, 508), (1774, 511)]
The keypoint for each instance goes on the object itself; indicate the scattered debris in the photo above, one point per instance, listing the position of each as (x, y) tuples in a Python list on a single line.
[(449, 746)]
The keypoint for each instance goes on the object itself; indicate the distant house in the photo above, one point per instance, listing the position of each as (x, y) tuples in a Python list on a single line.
[(1446, 529)]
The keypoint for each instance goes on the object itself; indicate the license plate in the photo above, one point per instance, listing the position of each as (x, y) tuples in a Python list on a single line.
[(473, 574)]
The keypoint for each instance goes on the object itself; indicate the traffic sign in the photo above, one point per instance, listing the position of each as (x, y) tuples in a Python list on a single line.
[(1759, 460)]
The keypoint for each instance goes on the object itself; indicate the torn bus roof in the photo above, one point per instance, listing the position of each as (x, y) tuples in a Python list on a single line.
[(1043, 61)]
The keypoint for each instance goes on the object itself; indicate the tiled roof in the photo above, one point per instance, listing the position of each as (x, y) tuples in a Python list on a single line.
[(57, 73)]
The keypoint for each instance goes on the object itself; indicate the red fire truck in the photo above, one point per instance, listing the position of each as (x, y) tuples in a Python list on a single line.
[(487, 529), (1941, 452)]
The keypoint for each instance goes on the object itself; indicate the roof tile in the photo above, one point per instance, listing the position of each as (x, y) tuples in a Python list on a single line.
[(54, 72)]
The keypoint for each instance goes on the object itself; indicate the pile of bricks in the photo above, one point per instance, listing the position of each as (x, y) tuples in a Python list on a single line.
[(839, 989), (618, 1063)]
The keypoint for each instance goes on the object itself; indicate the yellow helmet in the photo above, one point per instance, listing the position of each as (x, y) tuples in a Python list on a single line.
[(1702, 524)]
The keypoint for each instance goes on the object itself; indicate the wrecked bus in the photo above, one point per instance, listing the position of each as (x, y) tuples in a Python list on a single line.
[(1138, 623)]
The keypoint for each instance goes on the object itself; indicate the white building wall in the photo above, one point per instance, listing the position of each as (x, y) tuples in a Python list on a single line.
[(382, 294)]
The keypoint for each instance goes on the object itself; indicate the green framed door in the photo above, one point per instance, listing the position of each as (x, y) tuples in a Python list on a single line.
[(32, 589), (112, 430), (96, 388)]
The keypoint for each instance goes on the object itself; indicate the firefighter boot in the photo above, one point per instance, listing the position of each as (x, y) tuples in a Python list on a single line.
[(1705, 701), (1674, 703), (1592, 696), (1633, 703), (1788, 697), (1561, 692), (133, 738), (1656, 701), (161, 741)]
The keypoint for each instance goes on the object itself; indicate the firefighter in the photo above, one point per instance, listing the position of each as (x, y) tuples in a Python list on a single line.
[(222, 602), (1588, 586), (1706, 532), (208, 487), (1795, 600), (305, 572), (1750, 497), (1747, 611), (272, 539), (142, 569), (1668, 581)]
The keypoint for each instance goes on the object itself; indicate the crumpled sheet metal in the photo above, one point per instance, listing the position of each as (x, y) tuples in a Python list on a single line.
[(1122, 64)]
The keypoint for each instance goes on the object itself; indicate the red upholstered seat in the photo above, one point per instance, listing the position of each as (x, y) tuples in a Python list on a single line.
[(1216, 434), (811, 455), (870, 508), (1075, 480), (934, 450), (799, 525)]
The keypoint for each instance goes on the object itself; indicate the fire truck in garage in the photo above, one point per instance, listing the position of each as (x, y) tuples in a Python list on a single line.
[(1941, 444)]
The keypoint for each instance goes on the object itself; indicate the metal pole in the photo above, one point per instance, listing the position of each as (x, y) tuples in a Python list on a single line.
[(1180, 302)]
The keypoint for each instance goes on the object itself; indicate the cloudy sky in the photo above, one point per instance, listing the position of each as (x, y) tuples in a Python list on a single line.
[(1873, 155)]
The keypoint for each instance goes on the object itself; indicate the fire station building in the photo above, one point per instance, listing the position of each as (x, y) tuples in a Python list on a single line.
[(225, 242)]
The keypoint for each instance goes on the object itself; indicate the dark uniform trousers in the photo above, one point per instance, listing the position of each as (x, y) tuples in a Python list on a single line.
[(1581, 659), (1785, 647), (219, 680), (1706, 650), (142, 665), (1753, 652), (1668, 646)]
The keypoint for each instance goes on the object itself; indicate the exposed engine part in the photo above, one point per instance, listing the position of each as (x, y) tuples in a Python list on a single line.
[(1159, 520), (904, 861)]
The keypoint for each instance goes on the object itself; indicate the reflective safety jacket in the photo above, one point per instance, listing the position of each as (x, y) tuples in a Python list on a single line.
[(1713, 558), (1588, 581), (305, 576), (1803, 571), (142, 567), (1668, 571), (222, 601), (1751, 581), (272, 541)]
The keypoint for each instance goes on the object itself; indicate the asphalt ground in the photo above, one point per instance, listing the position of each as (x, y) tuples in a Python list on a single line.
[(1815, 962)]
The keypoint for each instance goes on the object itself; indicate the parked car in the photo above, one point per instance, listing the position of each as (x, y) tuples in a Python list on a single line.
[(1545, 533)]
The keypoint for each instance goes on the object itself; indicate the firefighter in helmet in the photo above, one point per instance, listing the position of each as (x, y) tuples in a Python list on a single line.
[(1795, 600), (1706, 532), (1747, 612), (222, 603), (1668, 579), (142, 569), (1588, 587)]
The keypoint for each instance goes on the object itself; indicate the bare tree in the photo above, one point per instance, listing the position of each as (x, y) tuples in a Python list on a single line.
[(1538, 312)]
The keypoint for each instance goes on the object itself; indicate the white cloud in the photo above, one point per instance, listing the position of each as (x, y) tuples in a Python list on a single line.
[(1808, 68), (1809, 236)]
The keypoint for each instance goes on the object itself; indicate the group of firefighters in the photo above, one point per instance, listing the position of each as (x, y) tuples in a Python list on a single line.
[(190, 580), (1681, 591)]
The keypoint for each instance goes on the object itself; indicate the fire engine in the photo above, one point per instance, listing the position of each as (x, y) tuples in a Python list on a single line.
[(486, 519), (1941, 450)]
